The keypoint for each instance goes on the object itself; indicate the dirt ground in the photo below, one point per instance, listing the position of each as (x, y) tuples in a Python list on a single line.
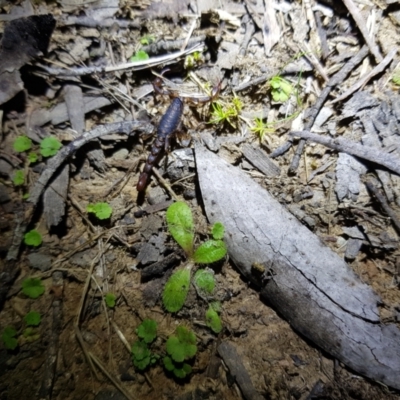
[(267, 63)]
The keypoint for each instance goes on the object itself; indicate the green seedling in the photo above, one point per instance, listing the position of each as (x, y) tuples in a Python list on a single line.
[(218, 231), (33, 238), (280, 89), (204, 281), (32, 157), (147, 330), (180, 348), (140, 55), (110, 298), (180, 224), (19, 177), (147, 39), (22, 143), (100, 210), (213, 321), (396, 78), (226, 113), (142, 357), (49, 146), (176, 290), (33, 318), (261, 129), (32, 287), (9, 338), (193, 59)]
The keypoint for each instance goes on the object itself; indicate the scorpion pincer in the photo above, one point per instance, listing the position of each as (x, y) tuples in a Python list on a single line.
[(167, 126)]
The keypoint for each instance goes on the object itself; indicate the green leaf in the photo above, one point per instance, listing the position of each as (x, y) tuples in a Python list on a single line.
[(32, 287), (396, 79), (147, 39), (168, 364), (209, 252), (175, 349), (176, 290), (213, 320), (141, 355), (140, 55), (33, 318), (181, 372), (110, 300), (218, 231), (8, 338), (22, 143), (33, 238), (147, 330), (182, 346), (204, 280), (19, 177), (101, 210), (180, 224), (32, 157), (49, 146)]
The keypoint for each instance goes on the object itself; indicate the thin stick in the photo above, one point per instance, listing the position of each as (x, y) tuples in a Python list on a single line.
[(135, 66), (312, 115), (364, 79), (388, 160), (373, 186), (359, 20)]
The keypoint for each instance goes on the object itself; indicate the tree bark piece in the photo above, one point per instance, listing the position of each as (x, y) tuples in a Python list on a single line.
[(310, 285)]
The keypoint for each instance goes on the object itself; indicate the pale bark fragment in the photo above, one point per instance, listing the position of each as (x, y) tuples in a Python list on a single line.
[(310, 285)]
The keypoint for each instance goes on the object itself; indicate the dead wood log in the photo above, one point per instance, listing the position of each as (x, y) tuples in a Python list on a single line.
[(309, 285)]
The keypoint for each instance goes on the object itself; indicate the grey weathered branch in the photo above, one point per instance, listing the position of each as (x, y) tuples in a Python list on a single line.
[(309, 285), (388, 160)]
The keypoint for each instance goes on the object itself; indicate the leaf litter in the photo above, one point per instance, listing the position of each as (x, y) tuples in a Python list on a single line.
[(72, 80)]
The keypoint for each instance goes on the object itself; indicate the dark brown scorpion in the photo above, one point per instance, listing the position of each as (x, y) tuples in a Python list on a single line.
[(167, 127)]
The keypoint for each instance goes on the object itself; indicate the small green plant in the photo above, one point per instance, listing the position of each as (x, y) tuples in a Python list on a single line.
[(180, 348), (100, 210), (33, 318), (19, 177), (261, 129), (222, 113), (204, 281), (32, 157), (22, 143), (33, 238), (110, 300), (147, 330), (140, 55), (49, 146), (193, 59), (176, 290), (142, 357), (32, 287), (9, 338), (396, 78), (180, 224), (280, 89), (147, 39), (213, 321)]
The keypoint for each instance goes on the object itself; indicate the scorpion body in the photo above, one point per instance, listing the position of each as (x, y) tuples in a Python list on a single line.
[(167, 126)]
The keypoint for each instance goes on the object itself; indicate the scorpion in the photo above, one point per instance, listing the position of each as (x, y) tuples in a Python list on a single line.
[(167, 127)]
